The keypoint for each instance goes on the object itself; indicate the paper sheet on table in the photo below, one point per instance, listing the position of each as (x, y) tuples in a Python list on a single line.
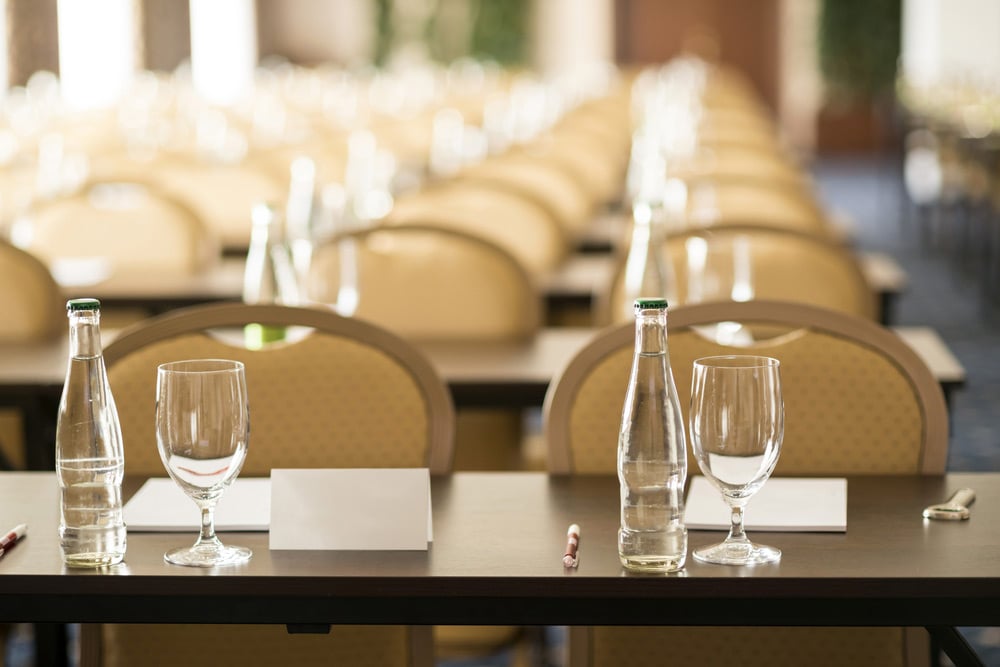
[(782, 504), (161, 506), (351, 509)]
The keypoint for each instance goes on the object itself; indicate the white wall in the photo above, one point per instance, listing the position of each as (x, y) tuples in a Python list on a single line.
[(571, 33), (945, 40), (97, 51), (223, 48)]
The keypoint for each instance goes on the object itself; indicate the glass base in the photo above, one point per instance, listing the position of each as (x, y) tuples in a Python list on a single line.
[(208, 555), (737, 553)]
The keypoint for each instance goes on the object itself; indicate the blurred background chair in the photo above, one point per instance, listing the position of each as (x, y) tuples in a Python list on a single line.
[(857, 401), (336, 393), (517, 224), (34, 307), (714, 201), (447, 286), (427, 283), (743, 262), (126, 227)]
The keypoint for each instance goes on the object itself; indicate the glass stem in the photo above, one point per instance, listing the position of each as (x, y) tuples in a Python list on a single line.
[(736, 532), (207, 534)]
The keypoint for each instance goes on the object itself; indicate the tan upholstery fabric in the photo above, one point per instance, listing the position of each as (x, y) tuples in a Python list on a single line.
[(840, 397), (253, 645), (119, 222), (857, 401), (750, 647), (426, 283), (322, 402), (516, 224)]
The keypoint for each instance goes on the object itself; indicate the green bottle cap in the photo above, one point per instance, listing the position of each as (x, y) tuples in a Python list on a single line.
[(76, 305), (647, 303)]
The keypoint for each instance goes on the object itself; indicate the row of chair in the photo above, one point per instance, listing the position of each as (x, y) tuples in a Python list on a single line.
[(858, 402)]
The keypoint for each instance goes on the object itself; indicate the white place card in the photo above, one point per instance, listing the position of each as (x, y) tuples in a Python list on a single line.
[(351, 509), (800, 504), (161, 506)]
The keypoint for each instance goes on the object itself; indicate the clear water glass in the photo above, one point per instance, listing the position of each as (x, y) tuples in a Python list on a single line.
[(736, 428), (202, 429)]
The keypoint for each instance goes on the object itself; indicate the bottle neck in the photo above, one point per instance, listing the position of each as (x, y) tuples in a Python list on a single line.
[(651, 331), (85, 334)]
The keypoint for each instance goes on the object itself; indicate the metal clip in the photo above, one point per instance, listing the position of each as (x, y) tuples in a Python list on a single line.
[(956, 509)]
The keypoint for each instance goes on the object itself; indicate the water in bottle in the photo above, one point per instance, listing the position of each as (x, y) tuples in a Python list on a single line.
[(652, 458), (90, 459)]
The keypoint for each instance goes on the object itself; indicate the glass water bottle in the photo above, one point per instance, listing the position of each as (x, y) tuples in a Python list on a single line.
[(652, 458), (269, 276), (90, 460)]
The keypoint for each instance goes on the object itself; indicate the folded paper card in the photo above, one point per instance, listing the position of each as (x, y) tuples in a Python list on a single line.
[(782, 504), (351, 509), (161, 506)]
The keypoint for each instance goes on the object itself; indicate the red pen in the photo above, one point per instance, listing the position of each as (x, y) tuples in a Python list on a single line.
[(571, 558), (8, 540)]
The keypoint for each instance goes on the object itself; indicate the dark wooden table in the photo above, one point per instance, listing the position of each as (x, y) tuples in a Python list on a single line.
[(496, 559)]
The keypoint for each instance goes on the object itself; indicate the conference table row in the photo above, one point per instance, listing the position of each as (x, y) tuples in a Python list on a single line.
[(496, 558), (510, 374), (577, 285)]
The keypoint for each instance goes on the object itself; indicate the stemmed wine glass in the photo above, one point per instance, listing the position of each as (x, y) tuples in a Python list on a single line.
[(202, 428), (736, 426)]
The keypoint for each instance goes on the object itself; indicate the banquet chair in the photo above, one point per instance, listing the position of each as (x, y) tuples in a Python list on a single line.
[(31, 297), (514, 222), (35, 312), (128, 227), (858, 400), (541, 180), (739, 199), (219, 192), (336, 392), (427, 283), (739, 262)]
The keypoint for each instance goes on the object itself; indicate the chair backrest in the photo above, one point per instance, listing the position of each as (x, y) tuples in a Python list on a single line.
[(427, 283), (133, 228), (220, 193), (754, 199), (342, 393), (515, 223), (750, 261), (541, 180), (31, 297), (858, 400)]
